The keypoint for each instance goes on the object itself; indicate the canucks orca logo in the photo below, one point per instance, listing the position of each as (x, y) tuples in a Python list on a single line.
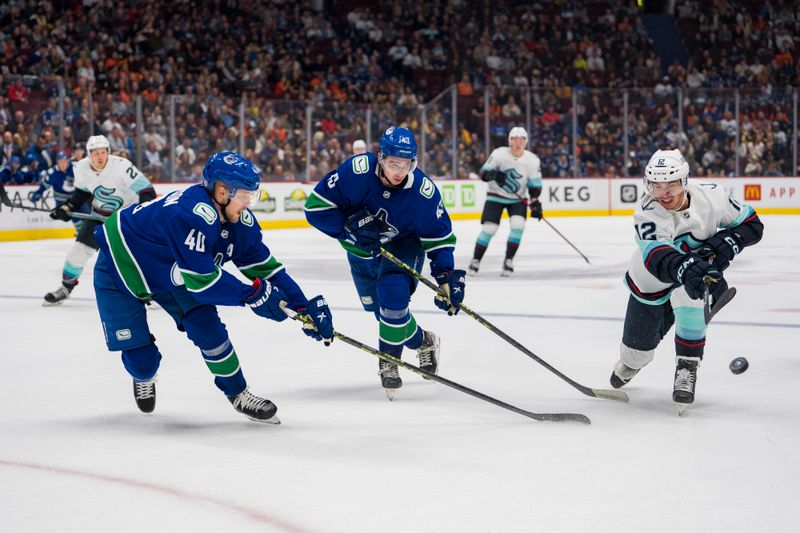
[(392, 232), (109, 202)]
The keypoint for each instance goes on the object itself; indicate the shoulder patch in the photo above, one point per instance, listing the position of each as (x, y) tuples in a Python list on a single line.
[(206, 212), (360, 164), (247, 218), (427, 188)]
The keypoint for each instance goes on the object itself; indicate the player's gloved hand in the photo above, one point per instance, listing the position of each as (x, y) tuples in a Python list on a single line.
[(34, 196), (493, 175), (452, 284), (536, 209), (367, 231), (693, 272), (265, 300), (62, 212), (321, 326), (723, 247)]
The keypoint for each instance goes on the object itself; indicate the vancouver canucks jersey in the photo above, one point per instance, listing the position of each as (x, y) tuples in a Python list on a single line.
[(179, 239), (710, 209), (62, 183), (414, 208), (117, 185), (525, 173)]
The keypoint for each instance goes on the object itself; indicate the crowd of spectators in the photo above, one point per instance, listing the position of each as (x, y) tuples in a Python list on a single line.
[(170, 82)]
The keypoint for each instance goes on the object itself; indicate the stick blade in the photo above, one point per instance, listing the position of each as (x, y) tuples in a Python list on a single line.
[(563, 417), (609, 394)]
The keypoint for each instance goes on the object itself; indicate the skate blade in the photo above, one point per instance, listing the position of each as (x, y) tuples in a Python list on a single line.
[(272, 420), (45, 303), (390, 394), (681, 407), (505, 273)]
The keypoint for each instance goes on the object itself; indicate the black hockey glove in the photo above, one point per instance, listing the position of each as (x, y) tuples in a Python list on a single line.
[(723, 247), (62, 212), (452, 284), (368, 232), (265, 300), (321, 326), (693, 272), (536, 208)]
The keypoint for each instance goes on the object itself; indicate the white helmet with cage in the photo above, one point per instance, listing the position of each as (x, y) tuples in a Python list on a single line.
[(665, 166), (97, 141), (517, 131)]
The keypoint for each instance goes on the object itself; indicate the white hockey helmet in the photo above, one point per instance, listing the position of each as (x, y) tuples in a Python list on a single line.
[(517, 131), (664, 166), (359, 146), (97, 141)]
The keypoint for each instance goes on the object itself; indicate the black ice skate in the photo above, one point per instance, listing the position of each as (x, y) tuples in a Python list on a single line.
[(685, 379), (390, 378), (144, 392), (622, 374), (255, 408), (474, 266), (58, 296), (428, 352), (508, 267)]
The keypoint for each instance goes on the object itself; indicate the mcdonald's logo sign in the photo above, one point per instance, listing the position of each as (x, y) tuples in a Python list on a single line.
[(752, 191)]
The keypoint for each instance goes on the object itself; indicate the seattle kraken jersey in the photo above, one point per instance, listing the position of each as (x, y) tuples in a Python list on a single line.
[(414, 208), (710, 209), (62, 183), (179, 239), (117, 185), (525, 171)]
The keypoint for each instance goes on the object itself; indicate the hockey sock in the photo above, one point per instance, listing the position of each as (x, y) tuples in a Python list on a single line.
[(142, 362), (690, 331), (480, 249), (76, 259), (397, 328)]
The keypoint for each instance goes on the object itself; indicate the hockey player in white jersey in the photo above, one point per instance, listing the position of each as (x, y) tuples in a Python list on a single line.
[(687, 235), (510, 170), (110, 183)]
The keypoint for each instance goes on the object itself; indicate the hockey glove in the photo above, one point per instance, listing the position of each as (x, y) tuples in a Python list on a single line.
[(34, 196), (452, 285), (265, 300), (723, 247), (368, 232), (62, 212), (536, 208), (693, 272), (321, 326)]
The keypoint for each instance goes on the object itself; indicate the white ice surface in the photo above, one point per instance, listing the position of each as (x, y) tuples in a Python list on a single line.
[(75, 453)]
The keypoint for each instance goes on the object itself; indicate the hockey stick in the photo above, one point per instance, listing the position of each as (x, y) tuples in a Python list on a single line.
[(4, 198), (566, 240), (595, 393), (712, 308), (542, 417)]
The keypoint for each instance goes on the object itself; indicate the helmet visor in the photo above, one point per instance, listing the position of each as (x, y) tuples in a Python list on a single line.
[(245, 197)]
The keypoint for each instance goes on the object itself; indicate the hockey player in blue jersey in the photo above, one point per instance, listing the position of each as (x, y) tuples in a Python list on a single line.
[(61, 179), (171, 250), (373, 200)]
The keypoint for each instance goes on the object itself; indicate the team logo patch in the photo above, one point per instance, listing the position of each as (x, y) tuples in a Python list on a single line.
[(366, 300), (123, 334), (427, 188), (206, 212), (247, 218), (360, 164)]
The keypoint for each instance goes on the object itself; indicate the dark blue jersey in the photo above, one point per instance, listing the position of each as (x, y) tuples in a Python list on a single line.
[(179, 239), (62, 183), (414, 208)]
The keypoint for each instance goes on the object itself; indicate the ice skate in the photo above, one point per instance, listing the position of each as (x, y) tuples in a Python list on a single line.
[(144, 392), (508, 267), (255, 408), (390, 378), (685, 379), (474, 266), (428, 352), (622, 374), (58, 296)]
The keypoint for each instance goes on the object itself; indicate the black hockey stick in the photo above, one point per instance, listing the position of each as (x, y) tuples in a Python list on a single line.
[(606, 394), (566, 240), (542, 417), (4, 198), (712, 308)]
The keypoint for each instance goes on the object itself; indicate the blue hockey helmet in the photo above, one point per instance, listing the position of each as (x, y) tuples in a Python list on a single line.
[(233, 170), (61, 155), (398, 142), (15, 160)]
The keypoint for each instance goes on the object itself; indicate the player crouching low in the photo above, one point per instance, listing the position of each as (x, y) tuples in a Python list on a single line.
[(687, 236), (172, 250)]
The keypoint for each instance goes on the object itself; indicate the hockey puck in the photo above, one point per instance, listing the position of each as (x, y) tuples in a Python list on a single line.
[(739, 365)]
